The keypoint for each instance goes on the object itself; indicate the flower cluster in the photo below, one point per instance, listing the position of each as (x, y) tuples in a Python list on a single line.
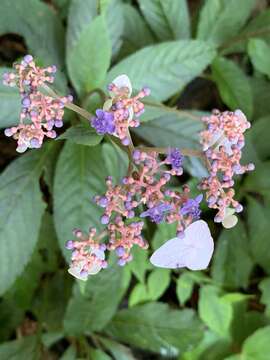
[(39, 113), (120, 111), (222, 142), (88, 255)]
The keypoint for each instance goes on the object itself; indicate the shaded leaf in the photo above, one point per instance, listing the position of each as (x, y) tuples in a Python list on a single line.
[(257, 346), (92, 310), (23, 349), (10, 103), (168, 19), (82, 135), (157, 283), (80, 174), (167, 67), (232, 263), (119, 351), (264, 286), (233, 85), (22, 209), (221, 19), (259, 53), (157, 328)]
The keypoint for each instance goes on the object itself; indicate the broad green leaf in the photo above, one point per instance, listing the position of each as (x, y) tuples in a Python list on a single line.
[(140, 263), (138, 294), (259, 228), (211, 347), (264, 286), (233, 85), (176, 129), (62, 7), (168, 19), (97, 354), (24, 349), (81, 14), (95, 308), (119, 351), (261, 130), (115, 161), (136, 33), (38, 24), (82, 135), (80, 174), (22, 208), (157, 328), (258, 27), (167, 67), (232, 263), (89, 58), (260, 88), (114, 15), (222, 19), (163, 233), (10, 103), (259, 53), (184, 287), (51, 300), (157, 283), (42, 261), (257, 346), (11, 316), (259, 180), (69, 354), (50, 338), (216, 313)]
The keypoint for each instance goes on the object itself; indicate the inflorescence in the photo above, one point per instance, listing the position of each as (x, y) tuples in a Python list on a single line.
[(144, 193), (39, 113)]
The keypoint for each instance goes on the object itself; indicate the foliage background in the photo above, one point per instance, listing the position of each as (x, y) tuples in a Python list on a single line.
[(195, 56)]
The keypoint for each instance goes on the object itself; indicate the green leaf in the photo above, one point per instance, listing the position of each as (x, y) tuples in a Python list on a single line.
[(259, 53), (233, 85), (167, 67), (139, 265), (157, 328), (259, 228), (261, 89), (22, 210), (259, 180), (82, 135), (222, 19), (96, 354), (136, 33), (216, 313), (42, 260), (23, 349), (184, 287), (80, 174), (138, 294), (232, 263), (9, 103), (86, 71), (176, 129), (115, 23), (41, 28), (257, 346), (261, 130), (163, 233), (119, 351), (95, 308), (264, 287), (51, 300), (157, 283), (168, 19), (69, 354)]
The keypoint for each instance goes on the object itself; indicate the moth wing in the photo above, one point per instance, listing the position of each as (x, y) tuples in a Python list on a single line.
[(170, 255), (202, 245)]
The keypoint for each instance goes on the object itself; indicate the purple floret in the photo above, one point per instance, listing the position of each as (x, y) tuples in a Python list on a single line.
[(103, 122), (175, 159), (192, 207), (156, 213)]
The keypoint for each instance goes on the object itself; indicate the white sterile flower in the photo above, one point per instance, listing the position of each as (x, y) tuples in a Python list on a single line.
[(122, 81), (229, 220)]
